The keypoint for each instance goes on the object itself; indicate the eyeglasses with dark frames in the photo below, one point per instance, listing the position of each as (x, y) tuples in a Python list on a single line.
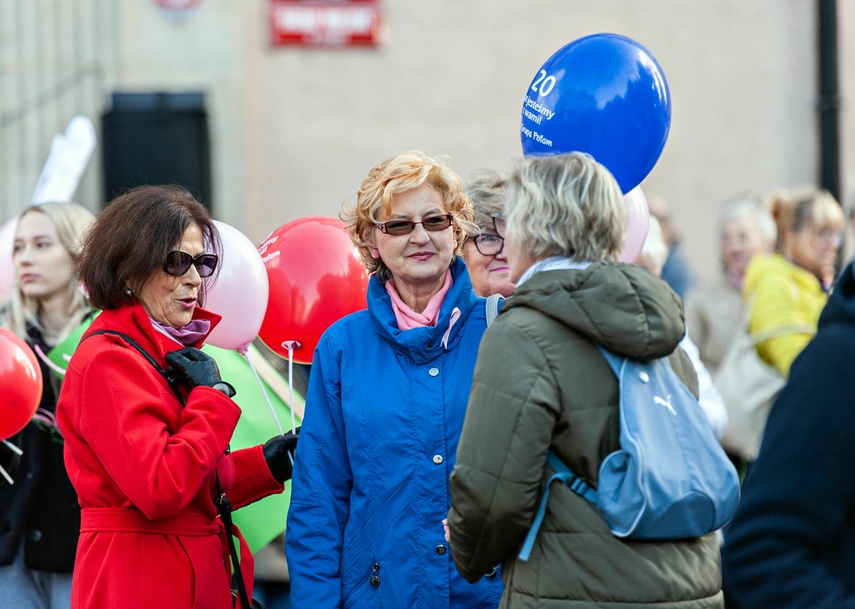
[(500, 224), (405, 227), (488, 244), (178, 263)]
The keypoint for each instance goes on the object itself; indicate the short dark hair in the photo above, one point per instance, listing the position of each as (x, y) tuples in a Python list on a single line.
[(131, 237)]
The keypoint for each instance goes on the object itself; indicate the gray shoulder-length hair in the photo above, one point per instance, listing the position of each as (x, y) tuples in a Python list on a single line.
[(566, 205), (751, 206), (487, 190)]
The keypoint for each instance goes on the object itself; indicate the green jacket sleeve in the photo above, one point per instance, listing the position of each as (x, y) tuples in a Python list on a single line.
[(501, 457)]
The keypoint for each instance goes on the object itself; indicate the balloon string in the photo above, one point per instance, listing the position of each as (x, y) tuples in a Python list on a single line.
[(291, 345), (245, 353), (13, 448), (48, 363)]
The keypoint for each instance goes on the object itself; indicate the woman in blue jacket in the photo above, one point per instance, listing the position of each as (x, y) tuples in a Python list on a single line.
[(385, 406)]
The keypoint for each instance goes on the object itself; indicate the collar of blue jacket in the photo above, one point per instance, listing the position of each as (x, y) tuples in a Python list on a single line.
[(422, 344)]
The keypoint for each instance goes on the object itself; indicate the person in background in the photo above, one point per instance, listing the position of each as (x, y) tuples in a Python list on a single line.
[(714, 313), (40, 517), (677, 272), (385, 405), (847, 251), (652, 258), (791, 544), (541, 384), (789, 287), (147, 419), (484, 251)]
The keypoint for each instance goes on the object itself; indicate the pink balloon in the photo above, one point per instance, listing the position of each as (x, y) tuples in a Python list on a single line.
[(7, 268), (638, 218), (240, 293)]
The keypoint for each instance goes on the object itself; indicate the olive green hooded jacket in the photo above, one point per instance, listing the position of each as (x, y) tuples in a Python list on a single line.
[(540, 383)]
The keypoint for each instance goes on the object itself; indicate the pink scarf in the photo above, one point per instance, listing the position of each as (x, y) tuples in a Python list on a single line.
[(407, 318), (190, 334)]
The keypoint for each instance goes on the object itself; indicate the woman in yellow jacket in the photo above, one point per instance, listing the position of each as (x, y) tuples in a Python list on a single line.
[(788, 289)]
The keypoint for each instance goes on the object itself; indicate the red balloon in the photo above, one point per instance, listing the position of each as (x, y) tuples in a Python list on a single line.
[(316, 277), (20, 384)]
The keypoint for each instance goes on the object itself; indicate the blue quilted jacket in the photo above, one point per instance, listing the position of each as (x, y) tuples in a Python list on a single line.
[(384, 410)]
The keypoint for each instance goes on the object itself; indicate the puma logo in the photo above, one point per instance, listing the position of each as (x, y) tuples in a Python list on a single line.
[(665, 403)]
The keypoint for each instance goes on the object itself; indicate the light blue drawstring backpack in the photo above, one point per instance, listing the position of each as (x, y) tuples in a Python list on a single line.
[(670, 479)]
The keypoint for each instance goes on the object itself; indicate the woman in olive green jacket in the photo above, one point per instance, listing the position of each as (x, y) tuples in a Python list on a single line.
[(541, 384)]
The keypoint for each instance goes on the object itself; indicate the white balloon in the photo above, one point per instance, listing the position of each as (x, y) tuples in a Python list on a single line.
[(240, 293)]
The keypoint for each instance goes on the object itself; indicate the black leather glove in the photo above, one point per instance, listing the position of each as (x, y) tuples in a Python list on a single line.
[(194, 368), (279, 454)]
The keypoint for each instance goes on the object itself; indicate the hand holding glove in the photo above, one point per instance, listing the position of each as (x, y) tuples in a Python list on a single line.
[(279, 454), (194, 368)]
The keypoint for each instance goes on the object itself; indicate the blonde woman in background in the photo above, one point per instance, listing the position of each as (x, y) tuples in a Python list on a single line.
[(714, 311), (40, 517), (790, 287)]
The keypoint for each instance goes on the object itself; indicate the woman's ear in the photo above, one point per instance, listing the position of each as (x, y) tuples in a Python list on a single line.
[(375, 253)]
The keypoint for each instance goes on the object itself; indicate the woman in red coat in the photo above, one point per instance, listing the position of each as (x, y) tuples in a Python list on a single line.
[(146, 455)]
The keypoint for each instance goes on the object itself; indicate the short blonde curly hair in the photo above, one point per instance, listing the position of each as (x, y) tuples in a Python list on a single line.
[(398, 174)]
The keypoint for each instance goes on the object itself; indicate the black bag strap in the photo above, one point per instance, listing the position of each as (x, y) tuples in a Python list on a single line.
[(223, 505), (170, 381), (225, 509)]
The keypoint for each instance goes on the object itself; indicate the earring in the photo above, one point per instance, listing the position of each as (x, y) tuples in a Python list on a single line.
[(129, 292)]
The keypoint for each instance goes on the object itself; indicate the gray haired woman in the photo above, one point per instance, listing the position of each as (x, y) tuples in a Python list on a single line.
[(714, 311), (484, 252), (565, 227)]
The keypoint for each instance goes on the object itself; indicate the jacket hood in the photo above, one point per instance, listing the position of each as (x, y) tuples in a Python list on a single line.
[(623, 307)]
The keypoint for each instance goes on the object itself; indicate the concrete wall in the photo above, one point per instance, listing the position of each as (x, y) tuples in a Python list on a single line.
[(294, 130)]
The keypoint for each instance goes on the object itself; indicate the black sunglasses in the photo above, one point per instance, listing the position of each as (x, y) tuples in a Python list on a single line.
[(405, 227), (178, 263)]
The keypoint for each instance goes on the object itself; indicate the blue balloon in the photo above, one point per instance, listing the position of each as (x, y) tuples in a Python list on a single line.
[(603, 94)]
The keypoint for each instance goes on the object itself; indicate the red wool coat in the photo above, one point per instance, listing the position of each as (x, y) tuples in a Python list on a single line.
[(143, 467)]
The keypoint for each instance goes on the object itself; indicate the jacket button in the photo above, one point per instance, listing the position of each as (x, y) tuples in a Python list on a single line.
[(437, 459), (375, 581), (35, 535), (433, 371), (429, 345), (440, 549), (644, 377)]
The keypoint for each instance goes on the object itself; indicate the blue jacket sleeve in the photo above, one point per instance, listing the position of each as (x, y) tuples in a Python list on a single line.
[(792, 542), (321, 485)]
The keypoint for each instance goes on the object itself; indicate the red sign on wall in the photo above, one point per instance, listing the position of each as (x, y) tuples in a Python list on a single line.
[(325, 24)]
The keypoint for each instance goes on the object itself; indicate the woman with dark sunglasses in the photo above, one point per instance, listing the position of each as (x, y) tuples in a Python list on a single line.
[(147, 419), (385, 406)]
